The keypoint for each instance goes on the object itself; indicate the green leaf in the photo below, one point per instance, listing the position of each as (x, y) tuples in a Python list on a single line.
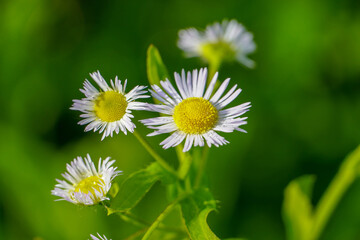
[(114, 190), (348, 172), (297, 208), (352, 162), (195, 210), (156, 69), (134, 188)]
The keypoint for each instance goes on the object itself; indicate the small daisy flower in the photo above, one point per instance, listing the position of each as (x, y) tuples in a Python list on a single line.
[(195, 116), (85, 185), (108, 110), (227, 41), (99, 237)]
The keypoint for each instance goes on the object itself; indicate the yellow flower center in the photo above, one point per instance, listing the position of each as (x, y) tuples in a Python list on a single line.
[(90, 184), (195, 115), (110, 106), (218, 52)]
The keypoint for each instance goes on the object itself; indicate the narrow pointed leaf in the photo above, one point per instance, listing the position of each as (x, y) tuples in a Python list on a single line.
[(348, 172), (297, 208), (156, 69)]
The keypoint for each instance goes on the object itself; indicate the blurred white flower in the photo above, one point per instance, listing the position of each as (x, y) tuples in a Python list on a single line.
[(227, 41), (99, 237), (195, 116), (85, 185), (109, 109)]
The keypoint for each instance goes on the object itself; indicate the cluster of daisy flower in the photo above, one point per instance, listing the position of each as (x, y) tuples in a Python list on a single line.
[(193, 114), (193, 111)]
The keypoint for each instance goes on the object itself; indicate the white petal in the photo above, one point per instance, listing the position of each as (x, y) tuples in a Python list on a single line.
[(220, 91), (188, 142), (211, 86)]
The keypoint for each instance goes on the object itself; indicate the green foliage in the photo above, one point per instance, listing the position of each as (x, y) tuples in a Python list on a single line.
[(156, 69), (297, 208), (134, 188), (195, 210), (234, 239)]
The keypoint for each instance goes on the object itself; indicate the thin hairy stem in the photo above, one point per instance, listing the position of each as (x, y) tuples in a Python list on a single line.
[(154, 154), (161, 217), (136, 221), (213, 68), (202, 166), (136, 234)]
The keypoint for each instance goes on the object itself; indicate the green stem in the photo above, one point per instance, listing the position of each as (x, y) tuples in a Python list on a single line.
[(348, 172), (185, 160), (202, 166), (180, 154), (161, 217), (154, 154), (134, 220), (131, 219), (213, 68), (137, 234)]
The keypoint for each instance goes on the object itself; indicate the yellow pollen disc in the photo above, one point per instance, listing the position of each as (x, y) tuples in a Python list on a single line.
[(110, 106), (195, 115), (90, 184)]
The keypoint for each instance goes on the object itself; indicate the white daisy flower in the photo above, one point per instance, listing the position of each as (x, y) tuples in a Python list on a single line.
[(99, 237), (108, 110), (85, 185), (227, 41), (195, 116)]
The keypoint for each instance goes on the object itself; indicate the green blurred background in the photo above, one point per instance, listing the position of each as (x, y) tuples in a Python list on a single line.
[(304, 120)]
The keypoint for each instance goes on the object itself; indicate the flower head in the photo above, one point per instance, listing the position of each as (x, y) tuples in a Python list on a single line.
[(109, 109), (85, 185), (227, 41), (99, 237), (195, 116)]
